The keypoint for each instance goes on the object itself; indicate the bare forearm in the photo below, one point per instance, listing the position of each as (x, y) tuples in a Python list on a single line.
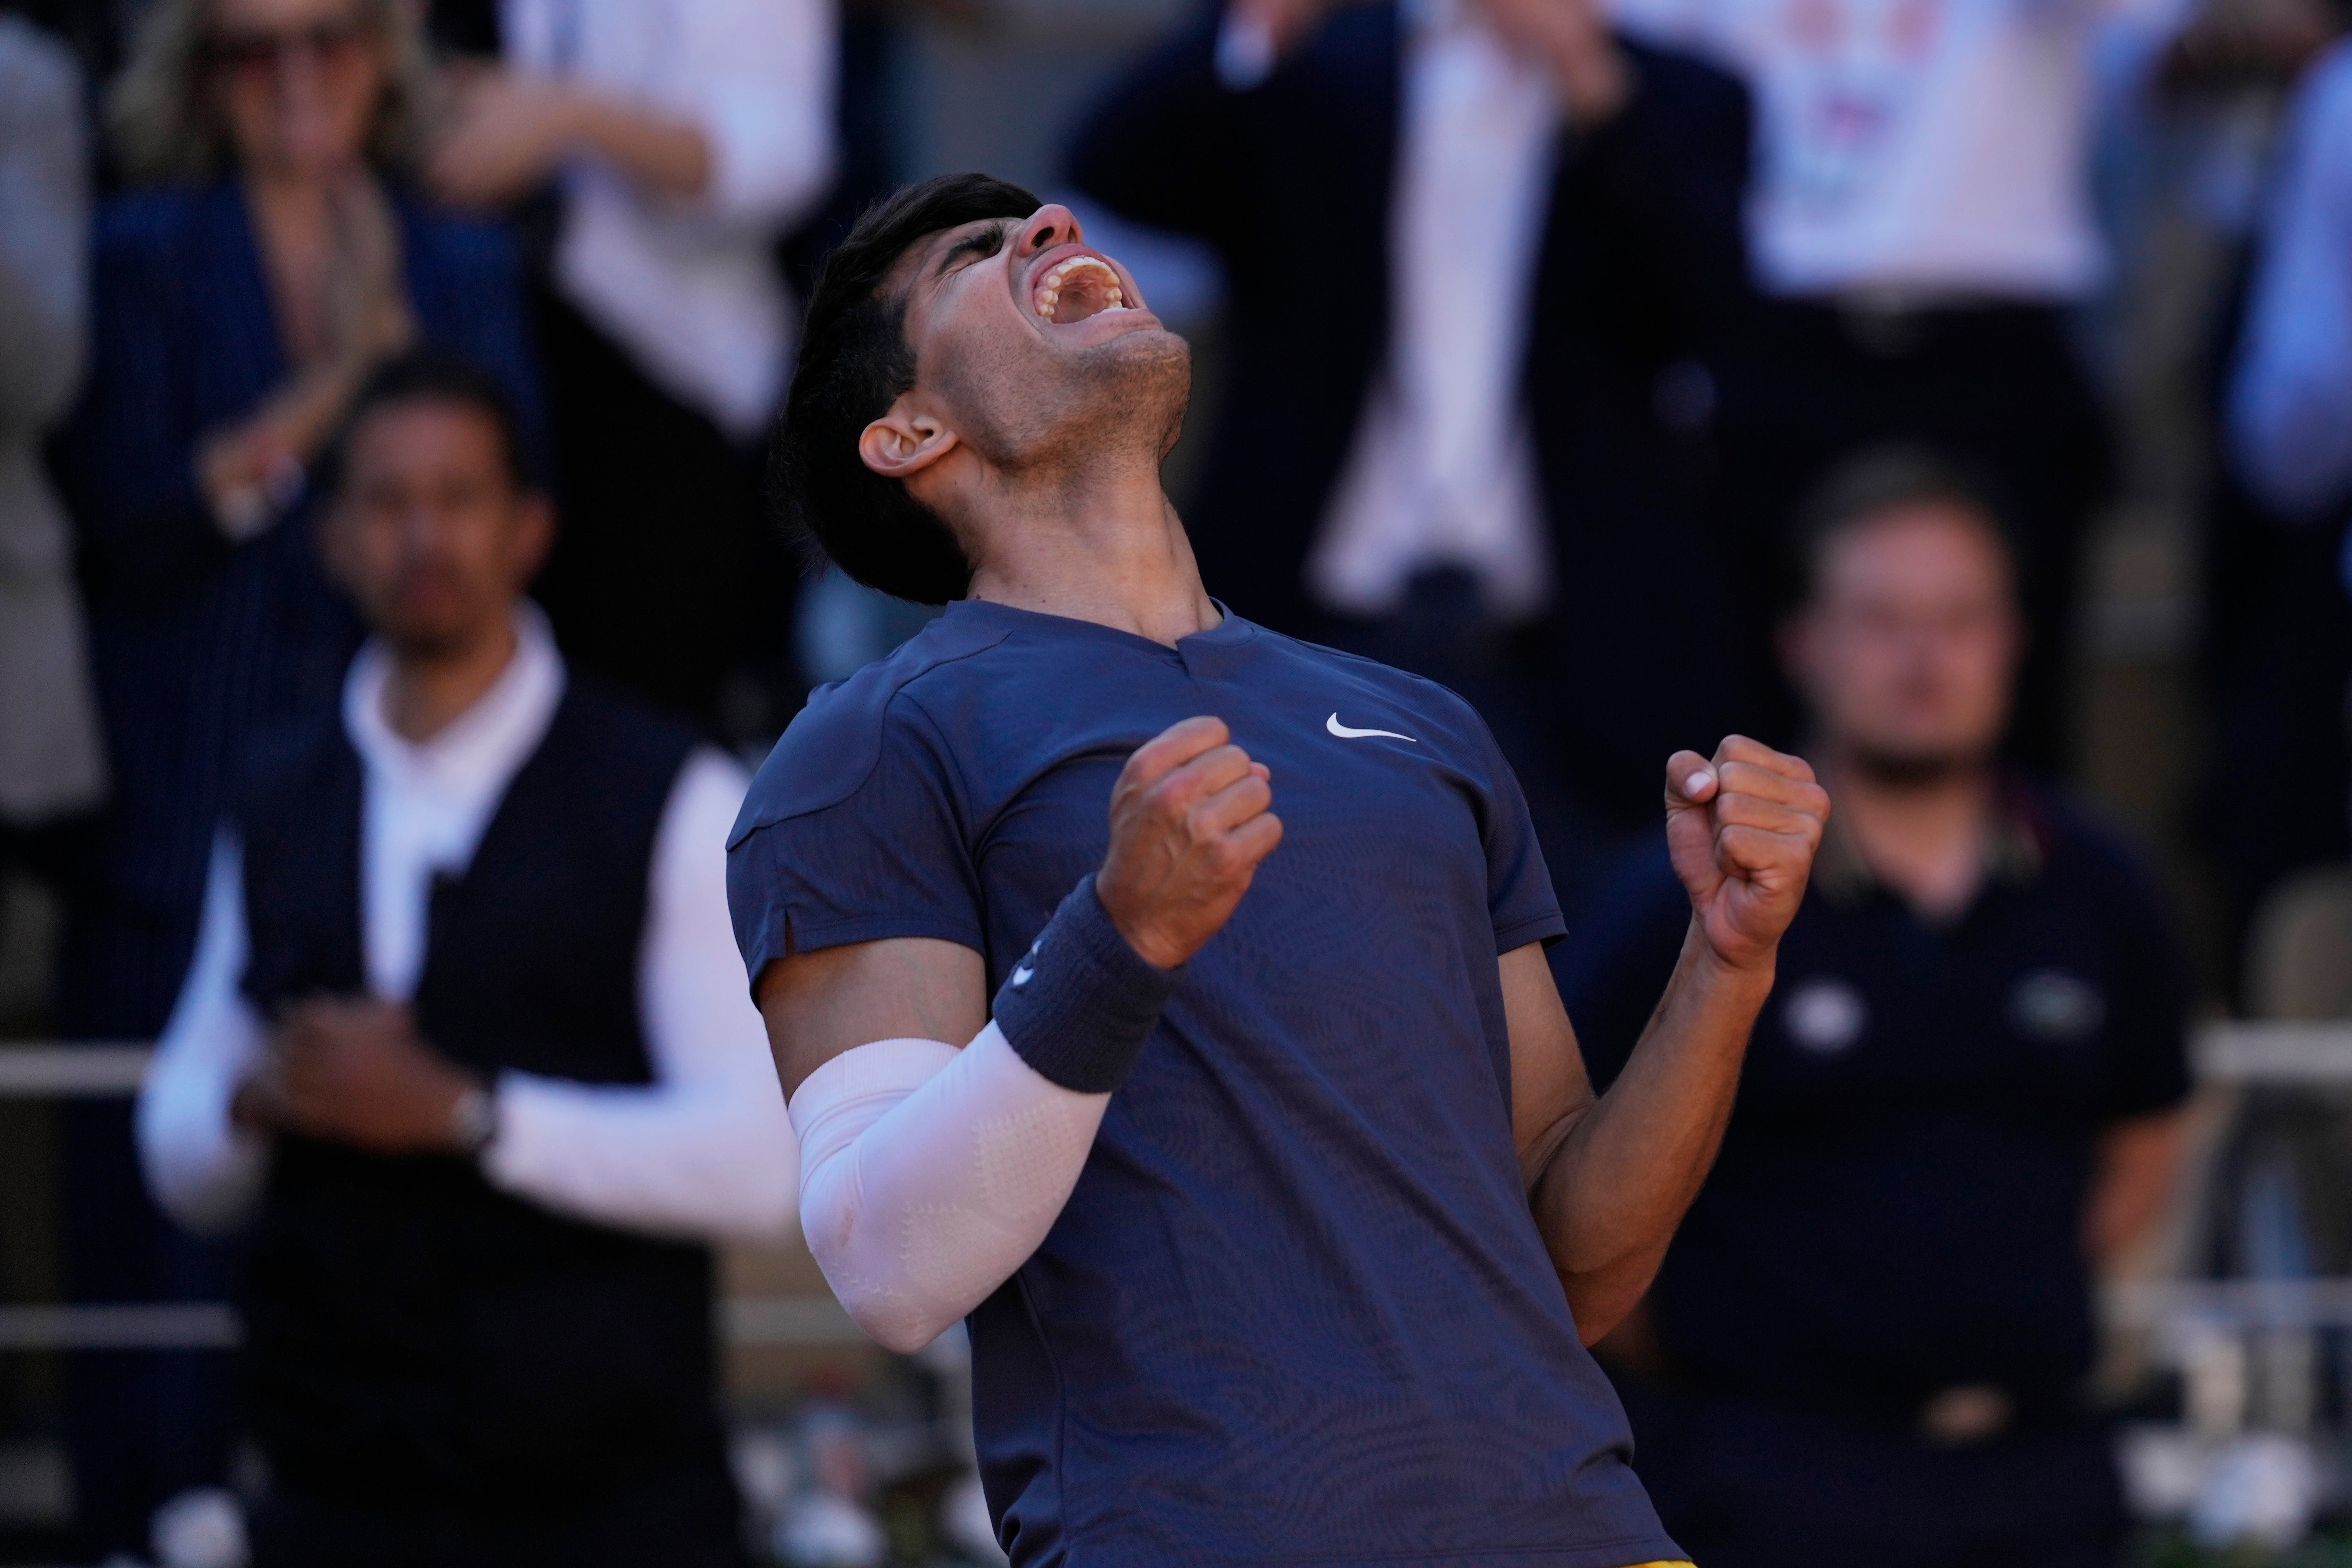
[(1623, 1172), (659, 154), (2136, 1164)]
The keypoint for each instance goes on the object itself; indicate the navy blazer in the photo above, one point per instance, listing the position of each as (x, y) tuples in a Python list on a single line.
[(1640, 279), (200, 646)]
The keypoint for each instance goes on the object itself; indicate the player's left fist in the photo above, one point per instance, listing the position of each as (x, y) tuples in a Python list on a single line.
[(1743, 828)]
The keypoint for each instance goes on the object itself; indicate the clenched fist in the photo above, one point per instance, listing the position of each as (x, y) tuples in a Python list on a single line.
[(1743, 830), (1189, 824)]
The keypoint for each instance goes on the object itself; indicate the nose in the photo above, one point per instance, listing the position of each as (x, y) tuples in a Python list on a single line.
[(1048, 227)]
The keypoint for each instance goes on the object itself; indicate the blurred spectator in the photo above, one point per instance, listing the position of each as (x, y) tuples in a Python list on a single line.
[(52, 768), (236, 310), (1475, 253), (687, 136), (1871, 1339), (466, 1036), (1921, 226), (2280, 708), (233, 313)]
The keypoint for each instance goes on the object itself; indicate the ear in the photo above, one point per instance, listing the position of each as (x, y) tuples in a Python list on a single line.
[(905, 441), (1794, 639), (336, 527), (534, 536)]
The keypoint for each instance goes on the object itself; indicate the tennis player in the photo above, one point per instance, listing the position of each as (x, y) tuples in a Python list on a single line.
[(1256, 1149)]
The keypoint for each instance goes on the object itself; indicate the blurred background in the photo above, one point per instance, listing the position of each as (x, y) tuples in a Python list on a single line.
[(2179, 520)]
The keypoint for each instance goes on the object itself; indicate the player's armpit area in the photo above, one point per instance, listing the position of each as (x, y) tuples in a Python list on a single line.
[(820, 1005)]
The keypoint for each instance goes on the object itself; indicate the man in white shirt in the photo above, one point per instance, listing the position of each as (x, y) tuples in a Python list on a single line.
[(685, 138), (1920, 223), (461, 1043)]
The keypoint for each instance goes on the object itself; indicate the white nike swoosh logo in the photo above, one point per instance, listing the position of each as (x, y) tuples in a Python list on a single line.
[(1333, 724), (1022, 971)]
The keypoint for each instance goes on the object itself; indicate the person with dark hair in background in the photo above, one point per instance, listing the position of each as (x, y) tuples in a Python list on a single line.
[(1870, 1340), (684, 138), (235, 309), (1269, 1180), (463, 1042), (1478, 256)]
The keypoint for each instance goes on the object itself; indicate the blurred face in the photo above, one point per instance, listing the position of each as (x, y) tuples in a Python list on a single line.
[(1906, 654), (1030, 346), (296, 80), (429, 532)]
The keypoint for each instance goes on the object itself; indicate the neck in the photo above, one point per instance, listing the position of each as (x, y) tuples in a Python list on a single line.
[(1102, 545), (1926, 837), (429, 687)]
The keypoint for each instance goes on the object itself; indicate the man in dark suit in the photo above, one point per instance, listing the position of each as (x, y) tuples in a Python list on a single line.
[(1478, 257)]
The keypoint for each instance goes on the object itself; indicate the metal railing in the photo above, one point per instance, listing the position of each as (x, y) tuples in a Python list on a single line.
[(46, 1070)]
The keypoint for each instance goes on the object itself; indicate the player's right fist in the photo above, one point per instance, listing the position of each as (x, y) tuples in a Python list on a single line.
[(1189, 823)]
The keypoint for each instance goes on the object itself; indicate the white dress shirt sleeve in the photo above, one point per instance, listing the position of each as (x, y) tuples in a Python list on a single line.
[(2290, 404), (205, 1172), (707, 1149)]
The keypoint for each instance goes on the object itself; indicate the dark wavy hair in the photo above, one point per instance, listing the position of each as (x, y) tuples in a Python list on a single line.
[(854, 364)]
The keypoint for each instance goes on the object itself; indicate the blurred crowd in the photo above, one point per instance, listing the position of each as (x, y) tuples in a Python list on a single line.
[(1643, 374)]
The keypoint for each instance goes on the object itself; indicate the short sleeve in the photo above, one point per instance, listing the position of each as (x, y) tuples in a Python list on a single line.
[(2147, 1035), (888, 858), (1520, 897)]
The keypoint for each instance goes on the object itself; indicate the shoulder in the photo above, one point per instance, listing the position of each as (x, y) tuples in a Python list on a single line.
[(288, 769), (623, 735), (835, 742), (149, 224), (38, 75), (2323, 98), (2082, 843)]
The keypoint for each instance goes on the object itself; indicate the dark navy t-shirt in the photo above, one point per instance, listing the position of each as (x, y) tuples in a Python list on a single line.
[(1296, 1307), (1898, 1205)]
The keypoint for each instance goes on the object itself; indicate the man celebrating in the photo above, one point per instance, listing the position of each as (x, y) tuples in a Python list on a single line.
[(1270, 1178)]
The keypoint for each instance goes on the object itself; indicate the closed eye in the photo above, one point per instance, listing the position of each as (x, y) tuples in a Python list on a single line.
[(978, 246)]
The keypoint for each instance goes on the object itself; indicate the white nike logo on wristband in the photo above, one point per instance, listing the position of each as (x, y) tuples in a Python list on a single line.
[(1345, 733), (1022, 971)]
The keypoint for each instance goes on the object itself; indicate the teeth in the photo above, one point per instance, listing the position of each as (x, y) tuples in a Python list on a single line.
[(1049, 288)]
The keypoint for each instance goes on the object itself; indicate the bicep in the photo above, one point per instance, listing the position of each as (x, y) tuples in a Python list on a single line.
[(819, 1004), (1548, 1077)]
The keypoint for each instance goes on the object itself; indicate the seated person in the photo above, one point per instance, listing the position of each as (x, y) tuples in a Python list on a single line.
[(465, 1041), (1869, 1341)]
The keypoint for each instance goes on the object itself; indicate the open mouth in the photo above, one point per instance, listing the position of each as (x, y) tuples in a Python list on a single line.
[(1073, 290)]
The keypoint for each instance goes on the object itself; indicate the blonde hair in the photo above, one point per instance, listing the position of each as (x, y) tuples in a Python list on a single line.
[(166, 127)]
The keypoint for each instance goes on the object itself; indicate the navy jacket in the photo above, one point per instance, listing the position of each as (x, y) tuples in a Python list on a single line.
[(1640, 279), (201, 647)]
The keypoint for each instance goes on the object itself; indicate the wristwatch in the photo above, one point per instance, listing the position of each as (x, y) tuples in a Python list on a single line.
[(474, 1120)]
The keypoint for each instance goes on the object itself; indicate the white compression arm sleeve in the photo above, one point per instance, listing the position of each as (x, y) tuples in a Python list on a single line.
[(929, 1174)]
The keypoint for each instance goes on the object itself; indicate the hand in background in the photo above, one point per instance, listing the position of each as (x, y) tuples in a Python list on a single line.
[(508, 135), (356, 1072), (1742, 830), (1572, 38)]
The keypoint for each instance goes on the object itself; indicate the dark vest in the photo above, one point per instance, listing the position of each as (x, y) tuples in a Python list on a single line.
[(414, 1334)]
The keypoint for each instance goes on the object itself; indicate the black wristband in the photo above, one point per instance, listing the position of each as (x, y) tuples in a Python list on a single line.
[(1079, 1005)]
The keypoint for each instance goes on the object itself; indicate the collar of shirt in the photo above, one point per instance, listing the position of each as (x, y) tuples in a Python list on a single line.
[(2014, 854), (425, 803)]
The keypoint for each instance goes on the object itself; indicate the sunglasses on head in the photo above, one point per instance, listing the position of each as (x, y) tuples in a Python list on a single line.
[(256, 49)]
